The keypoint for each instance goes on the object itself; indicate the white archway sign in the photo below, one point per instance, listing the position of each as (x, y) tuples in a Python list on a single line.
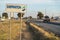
[(15, 8)]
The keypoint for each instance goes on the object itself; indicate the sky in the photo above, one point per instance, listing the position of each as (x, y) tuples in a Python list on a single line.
[(51, 7)]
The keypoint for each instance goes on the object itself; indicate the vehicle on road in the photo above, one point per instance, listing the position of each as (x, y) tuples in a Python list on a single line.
[(56, 18), (46, 19)]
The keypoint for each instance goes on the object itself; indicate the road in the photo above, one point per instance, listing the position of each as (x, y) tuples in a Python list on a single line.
[(49, 27)]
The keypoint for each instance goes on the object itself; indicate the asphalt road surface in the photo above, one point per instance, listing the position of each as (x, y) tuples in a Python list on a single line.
[(49, 27)]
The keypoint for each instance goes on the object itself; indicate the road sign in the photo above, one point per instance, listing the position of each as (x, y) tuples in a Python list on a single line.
[(15, 8)]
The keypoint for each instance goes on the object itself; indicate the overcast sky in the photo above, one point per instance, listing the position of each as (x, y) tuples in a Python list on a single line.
[(52, 7)]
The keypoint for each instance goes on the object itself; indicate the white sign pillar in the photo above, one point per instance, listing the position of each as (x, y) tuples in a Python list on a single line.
[(11, 14)]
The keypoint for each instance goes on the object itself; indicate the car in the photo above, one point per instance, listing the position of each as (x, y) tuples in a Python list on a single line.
[(46, 19), (56, 18)]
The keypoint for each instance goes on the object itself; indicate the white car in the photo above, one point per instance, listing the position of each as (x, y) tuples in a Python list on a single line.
[(46, 19)]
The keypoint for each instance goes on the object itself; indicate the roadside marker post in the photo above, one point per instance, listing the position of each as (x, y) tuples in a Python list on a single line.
[(21, 28)]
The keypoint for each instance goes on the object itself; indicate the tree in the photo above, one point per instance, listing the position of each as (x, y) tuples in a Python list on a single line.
[(52, 17), (20, 14), (30, 17), (40, 15), (5, 15), (0, 16)]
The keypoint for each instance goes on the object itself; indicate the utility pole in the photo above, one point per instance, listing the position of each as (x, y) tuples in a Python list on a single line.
[(52, 15), (45, 11)]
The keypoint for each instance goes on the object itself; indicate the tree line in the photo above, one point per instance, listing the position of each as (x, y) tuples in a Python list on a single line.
[(40, 15), (5, 15)]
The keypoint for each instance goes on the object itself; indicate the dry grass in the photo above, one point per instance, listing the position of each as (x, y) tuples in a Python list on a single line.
[(6, 32)]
